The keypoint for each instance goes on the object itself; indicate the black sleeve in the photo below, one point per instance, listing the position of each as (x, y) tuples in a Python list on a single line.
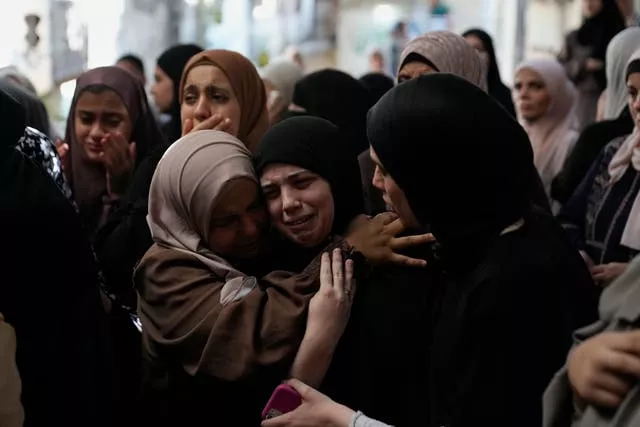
[(125, 238)]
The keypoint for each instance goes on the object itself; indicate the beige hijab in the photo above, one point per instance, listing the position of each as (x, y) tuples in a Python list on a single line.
[(554, 134), (189, 180), (449, 53)]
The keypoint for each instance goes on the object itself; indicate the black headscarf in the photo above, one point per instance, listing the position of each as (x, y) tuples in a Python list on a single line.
[(317, 145), (172, 62), (377, 84), (13, 121), (36, 113), (464, 164), (497, 88), (339, 98), (598, 30)]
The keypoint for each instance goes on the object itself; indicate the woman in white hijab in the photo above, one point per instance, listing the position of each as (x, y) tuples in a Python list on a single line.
[(280, 78), (545, 103)]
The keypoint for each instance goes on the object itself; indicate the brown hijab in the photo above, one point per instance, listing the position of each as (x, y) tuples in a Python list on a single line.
[(87, 180), (248, 87)]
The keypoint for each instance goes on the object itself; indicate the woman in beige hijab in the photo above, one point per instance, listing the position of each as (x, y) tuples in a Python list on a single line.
[(216, 340), (546, 105)]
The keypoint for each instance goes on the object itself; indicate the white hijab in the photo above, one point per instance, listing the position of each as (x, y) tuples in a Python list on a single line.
[(619, 51), (629, 155), (554, 134)]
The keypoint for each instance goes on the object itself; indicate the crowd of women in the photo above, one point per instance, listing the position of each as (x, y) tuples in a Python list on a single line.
[(419, 249)]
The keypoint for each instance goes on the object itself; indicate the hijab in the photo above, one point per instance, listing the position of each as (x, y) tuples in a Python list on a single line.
[(429, 128), (172, 62), (377, 84), (248, 88), (87, 180), (447, 53), (13, 122), (619, 52), (36, 113), (283, 74), (553, 135), (317, 145), (597, 31), (497, 88), (12, 73), (629, 155), (339, 98), (190, 178)]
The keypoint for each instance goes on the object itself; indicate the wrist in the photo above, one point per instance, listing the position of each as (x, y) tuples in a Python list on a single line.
[(340, 415)]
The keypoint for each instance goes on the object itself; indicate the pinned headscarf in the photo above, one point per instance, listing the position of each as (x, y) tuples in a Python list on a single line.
[(317, 145), (440, 125), (87, 180), (447, 52), (247, 86), (619, 51), (629, 155), (554, 134)]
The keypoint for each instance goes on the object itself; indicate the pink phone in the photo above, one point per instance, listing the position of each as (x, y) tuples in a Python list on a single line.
[(284, 399)]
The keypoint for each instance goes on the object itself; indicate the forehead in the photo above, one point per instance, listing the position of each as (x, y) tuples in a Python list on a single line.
[(107, 100), (529, 74), (415, 67), (206, 75), (236, 196), (279, 172), (475, 42)]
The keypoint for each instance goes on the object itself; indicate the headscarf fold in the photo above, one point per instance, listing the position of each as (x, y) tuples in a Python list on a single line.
[(553, 135), (440, 125), (172, 62), (88, 180), (449, 53), (283, 74), (338, 97), (247, 86), (620, 50), (629, 155), (186, 186)]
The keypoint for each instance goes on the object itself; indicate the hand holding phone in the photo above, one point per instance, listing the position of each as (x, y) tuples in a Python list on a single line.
[(283, 400)]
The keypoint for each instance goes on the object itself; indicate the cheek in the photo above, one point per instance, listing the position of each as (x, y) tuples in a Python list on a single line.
[(81, 130), (274, 207), (221, 240), (326, 213)]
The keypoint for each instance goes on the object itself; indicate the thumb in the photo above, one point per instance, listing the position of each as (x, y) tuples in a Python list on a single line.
[(386, 218)]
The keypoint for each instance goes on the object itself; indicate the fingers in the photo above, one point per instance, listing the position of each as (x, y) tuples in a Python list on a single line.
[(605, 398), (62, 148), (279, 421), (209, 123), (187, 126), (407, 261), (629, 343), (338, 276), (394, 227), (349, 281), (326, 276), (613, 384), (408, 241), (302, 389), (386, 217)]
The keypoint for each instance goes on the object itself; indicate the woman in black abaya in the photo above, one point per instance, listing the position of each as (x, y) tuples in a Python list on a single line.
[(515, 287)]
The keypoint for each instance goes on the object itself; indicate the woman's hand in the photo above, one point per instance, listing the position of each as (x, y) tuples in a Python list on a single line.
[(604, 274), (63, 149), (316, 410), (603, 369), (330, 308), (119, 159), (375, 239), (215, 122)]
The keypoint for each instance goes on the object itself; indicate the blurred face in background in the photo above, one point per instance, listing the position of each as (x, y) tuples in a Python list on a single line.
[(162, 90), (591, 8), (530, 95), (479, 46), (633, 86)]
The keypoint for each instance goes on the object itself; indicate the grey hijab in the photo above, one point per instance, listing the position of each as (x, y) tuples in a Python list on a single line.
[(620, 49)]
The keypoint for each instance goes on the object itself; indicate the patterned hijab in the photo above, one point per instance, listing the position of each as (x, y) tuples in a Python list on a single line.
[(248, 87), (448, 53)]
